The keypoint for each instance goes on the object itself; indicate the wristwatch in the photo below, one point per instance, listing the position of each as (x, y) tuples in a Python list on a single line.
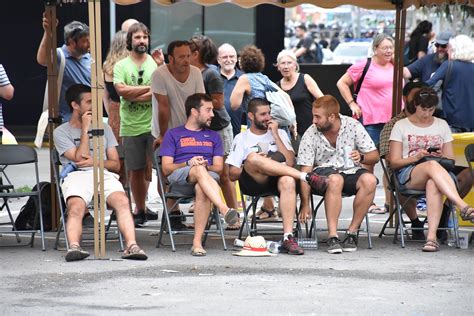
[(362, 157)]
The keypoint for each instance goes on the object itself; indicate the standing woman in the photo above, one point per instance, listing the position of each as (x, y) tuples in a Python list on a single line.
[(374, 100), (301, 88), (419, 41), (118, 51)]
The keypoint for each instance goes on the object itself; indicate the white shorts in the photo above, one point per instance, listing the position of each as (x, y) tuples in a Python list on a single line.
[(80, 183)]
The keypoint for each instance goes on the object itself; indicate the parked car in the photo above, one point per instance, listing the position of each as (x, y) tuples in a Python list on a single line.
[(350, 53)]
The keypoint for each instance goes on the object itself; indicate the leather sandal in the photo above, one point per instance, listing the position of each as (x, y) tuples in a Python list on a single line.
[(431, 246), (467, 213)]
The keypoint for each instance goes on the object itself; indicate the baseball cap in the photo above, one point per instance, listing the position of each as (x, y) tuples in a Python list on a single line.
[(443, 37)]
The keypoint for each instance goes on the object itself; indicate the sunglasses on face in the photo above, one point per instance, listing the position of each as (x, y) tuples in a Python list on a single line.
[(441, 45), (140, 76)]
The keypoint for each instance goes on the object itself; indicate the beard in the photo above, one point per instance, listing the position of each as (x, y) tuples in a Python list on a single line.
[(324, 128), (140, 49), (261, 125), (439, 58)]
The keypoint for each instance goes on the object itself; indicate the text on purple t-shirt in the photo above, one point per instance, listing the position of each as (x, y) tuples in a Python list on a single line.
[(183, 144)]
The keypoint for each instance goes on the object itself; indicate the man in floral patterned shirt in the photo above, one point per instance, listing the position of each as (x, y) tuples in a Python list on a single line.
[(322, 148)]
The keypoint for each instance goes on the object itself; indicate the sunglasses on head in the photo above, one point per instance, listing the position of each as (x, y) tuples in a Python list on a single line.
[(441, 45), (424, 94), (140, 76)]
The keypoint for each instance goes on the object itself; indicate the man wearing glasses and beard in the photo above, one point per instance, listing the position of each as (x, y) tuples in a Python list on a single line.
[(132, 77)]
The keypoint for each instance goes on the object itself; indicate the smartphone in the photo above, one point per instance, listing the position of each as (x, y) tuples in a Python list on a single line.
[(433, 149)]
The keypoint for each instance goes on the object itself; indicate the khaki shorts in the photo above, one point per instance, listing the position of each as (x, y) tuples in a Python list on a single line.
[(80, 183)]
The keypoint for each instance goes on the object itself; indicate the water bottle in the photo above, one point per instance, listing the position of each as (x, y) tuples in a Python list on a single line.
[(451, 238), (70, 167), (239, 243), (273, 247)]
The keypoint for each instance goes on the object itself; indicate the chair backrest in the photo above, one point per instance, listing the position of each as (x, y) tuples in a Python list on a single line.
[(17, 154), (469, 153), (159, 174)]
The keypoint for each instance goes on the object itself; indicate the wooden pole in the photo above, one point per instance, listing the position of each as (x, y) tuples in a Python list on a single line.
[(97, 86), (53, 106)]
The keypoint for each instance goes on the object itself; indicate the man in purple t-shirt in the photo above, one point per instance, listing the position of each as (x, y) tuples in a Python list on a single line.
[(192, 159)]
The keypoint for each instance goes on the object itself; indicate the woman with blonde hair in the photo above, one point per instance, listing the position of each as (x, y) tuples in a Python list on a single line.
[(118, 51)]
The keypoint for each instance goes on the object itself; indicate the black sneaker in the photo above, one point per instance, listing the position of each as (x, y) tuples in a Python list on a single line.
[(88, 221), (290, 246), (334, 245), (151, 215), (139, 219), (417, 234), (176, 221), (349, 243), (317, 182)]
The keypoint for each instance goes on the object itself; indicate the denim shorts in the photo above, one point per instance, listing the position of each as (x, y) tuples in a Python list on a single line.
[(404, 175), (374, 131)]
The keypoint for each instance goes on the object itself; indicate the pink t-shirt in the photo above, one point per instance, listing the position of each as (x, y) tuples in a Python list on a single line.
[(375, 95)]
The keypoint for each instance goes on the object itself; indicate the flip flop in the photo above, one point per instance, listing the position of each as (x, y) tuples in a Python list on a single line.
[(467, 213), (198, 251), (430, 246), (233, 227), (374, 209), (264, 215)]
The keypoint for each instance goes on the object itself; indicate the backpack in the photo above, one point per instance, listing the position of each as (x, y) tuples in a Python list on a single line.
[(316, 53), (26, 218)]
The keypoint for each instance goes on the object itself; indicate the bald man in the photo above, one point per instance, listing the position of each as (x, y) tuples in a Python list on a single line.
[(127, 23)]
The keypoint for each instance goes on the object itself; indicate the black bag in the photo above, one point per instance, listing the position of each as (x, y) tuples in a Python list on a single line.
[(446, 163), (26, 218), (361, 79)]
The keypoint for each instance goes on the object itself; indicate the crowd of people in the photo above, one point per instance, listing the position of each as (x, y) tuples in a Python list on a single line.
[(190, 111)]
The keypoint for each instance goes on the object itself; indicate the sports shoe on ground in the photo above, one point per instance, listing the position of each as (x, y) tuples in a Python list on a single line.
[(88, 221), (176, 221), (334, 245), (349, 243), (290, 246), (75, 253), (151, 215), (317, 182), (139, 219)]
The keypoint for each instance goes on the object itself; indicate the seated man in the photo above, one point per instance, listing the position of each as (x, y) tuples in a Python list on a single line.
[(192, 159), (257, 159), (323, 147), (74, 145)]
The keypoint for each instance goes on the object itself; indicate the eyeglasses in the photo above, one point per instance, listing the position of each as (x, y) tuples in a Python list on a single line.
[(425, 94), (140, 76), (441, 45), (386, 48)]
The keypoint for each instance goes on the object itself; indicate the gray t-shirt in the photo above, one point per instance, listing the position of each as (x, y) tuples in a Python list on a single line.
[(67, 137), (213, 83)]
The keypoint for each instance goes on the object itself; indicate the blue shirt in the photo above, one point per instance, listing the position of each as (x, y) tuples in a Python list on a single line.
[(458, 93), (235, 116), (423, 68), (75, 71)]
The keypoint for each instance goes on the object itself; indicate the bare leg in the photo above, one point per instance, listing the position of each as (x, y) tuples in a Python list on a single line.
[(287, 189), (119, 202), (433, 170), (76, 209), (365, 196), (208, 185), (228, 188), (202, 209), (434, 205), (260, 167), (333, 202), (268, 203), (139, 187)]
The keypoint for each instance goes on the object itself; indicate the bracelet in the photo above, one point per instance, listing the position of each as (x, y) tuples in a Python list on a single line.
[(351, 101)]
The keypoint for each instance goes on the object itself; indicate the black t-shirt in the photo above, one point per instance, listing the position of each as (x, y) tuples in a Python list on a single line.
[(307, 57)]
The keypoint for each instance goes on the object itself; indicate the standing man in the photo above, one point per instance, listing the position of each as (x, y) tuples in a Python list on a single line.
[(132, 77), (192, 160), (6, 92), (73, 143), (227, 59), (172, 84), (75, 53), (262, 159), (303, 49), (322, 148)]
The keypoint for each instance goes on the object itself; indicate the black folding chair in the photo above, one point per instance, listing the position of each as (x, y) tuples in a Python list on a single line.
[(21, 155), (312, 232), (168, 194), (396, 190), (62, 205)]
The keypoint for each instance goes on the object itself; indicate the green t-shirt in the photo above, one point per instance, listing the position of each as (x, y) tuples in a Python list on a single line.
[(135, 117)]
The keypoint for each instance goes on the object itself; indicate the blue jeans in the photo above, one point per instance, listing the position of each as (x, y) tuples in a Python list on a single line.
[(374, 131)]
